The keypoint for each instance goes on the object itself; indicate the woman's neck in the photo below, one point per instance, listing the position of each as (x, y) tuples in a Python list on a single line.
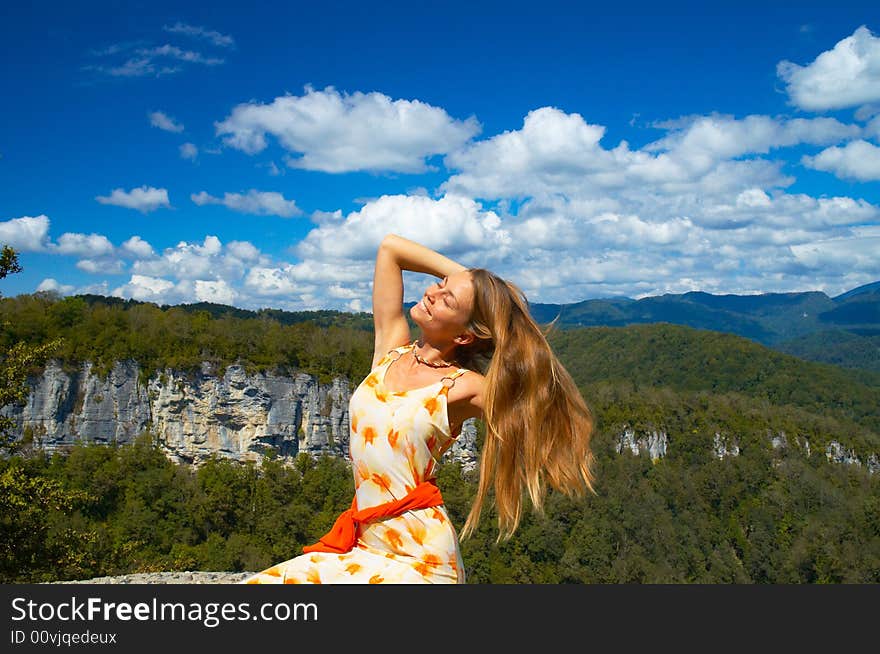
[(434, 355)]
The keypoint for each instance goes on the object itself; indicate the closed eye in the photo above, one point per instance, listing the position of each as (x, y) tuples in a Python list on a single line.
[(445, 298)]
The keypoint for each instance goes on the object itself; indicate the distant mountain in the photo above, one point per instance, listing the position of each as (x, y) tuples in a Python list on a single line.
[(844, 330), (873, 287)]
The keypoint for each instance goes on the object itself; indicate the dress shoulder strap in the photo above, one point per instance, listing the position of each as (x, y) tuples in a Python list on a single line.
[(449, 380)]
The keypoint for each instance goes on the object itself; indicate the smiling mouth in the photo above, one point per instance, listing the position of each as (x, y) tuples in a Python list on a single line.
[(424, 306)]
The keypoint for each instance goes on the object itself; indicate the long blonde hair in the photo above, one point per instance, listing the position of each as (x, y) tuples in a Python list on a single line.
[(538, 426)]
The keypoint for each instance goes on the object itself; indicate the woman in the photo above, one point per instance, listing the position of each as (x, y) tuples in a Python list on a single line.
[(480, 354)]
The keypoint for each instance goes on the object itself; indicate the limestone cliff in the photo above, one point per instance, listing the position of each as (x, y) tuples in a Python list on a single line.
[(235, 415), (242, 416)]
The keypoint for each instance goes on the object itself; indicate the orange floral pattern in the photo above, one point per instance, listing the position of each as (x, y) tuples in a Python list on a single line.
[(396, 437)]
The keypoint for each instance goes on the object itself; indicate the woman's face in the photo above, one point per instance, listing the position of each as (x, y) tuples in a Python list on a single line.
[(446, 306)]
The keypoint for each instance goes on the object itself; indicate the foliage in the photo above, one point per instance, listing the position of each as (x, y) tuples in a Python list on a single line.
[(17, 360), (838, 347), (765, 516), (685, 359), (182, 339)]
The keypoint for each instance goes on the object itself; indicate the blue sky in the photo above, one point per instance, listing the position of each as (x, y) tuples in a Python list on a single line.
[(255, 153)]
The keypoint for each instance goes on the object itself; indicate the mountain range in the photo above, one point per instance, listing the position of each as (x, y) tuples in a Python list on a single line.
[(843, 330)]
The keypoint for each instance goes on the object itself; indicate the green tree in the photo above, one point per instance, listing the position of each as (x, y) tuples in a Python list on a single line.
[(17, 361)]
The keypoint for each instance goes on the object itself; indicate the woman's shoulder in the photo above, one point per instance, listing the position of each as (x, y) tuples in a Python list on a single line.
[(469, 385), (390, 351)]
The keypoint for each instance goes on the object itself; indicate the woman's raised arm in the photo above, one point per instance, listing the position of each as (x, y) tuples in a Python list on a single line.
[(395, 255)]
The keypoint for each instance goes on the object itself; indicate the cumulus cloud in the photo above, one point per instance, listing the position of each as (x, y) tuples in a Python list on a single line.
[(93, 245), (559, 153), (452, 224), (189, 151), (53, 285), (336, 133), (844, 255), (146, 289), (848, 75), (218, 291), (709, 139), (337, 257), (243, 250), (307, 277), (858, 160), (209, 260), (185, 260), (25, 234), (262, 203), (196, 31), (164, 122), (203, 273), (138, 247), (144, 199), (104, 266), (872, 129)]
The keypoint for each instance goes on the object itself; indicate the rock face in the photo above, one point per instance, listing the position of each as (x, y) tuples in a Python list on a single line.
[(186, 577), (654, 443), (234, 415), (241, 416), (724, 446)]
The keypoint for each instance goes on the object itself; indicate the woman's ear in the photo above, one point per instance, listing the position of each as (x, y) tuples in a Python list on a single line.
[(465, 338)]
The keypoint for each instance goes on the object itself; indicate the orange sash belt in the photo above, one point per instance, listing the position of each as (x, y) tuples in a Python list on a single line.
[(343, 535)]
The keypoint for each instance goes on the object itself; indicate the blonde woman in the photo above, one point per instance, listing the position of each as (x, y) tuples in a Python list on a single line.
[(478, 354)]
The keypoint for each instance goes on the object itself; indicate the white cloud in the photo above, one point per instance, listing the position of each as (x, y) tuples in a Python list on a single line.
[(146, 289), (340, 133), (164, 122), (453, 224), (552, 150), (93, 245), (856, 160), (209, 260), (135, 67), (189, 151), (841, 255), (25, 234), (308, 278), (709, 139), (105, 266), (218, 292), (138, 247), (173, 52), (218, 39), (141, 58), (144, 199), (271, 281), (186, 260), (848, 75), (51, 284), (262, 203), (243, 250), (872, 129), (559, 153)]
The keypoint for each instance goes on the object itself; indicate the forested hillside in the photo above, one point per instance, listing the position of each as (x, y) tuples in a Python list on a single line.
[(777, 510)]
